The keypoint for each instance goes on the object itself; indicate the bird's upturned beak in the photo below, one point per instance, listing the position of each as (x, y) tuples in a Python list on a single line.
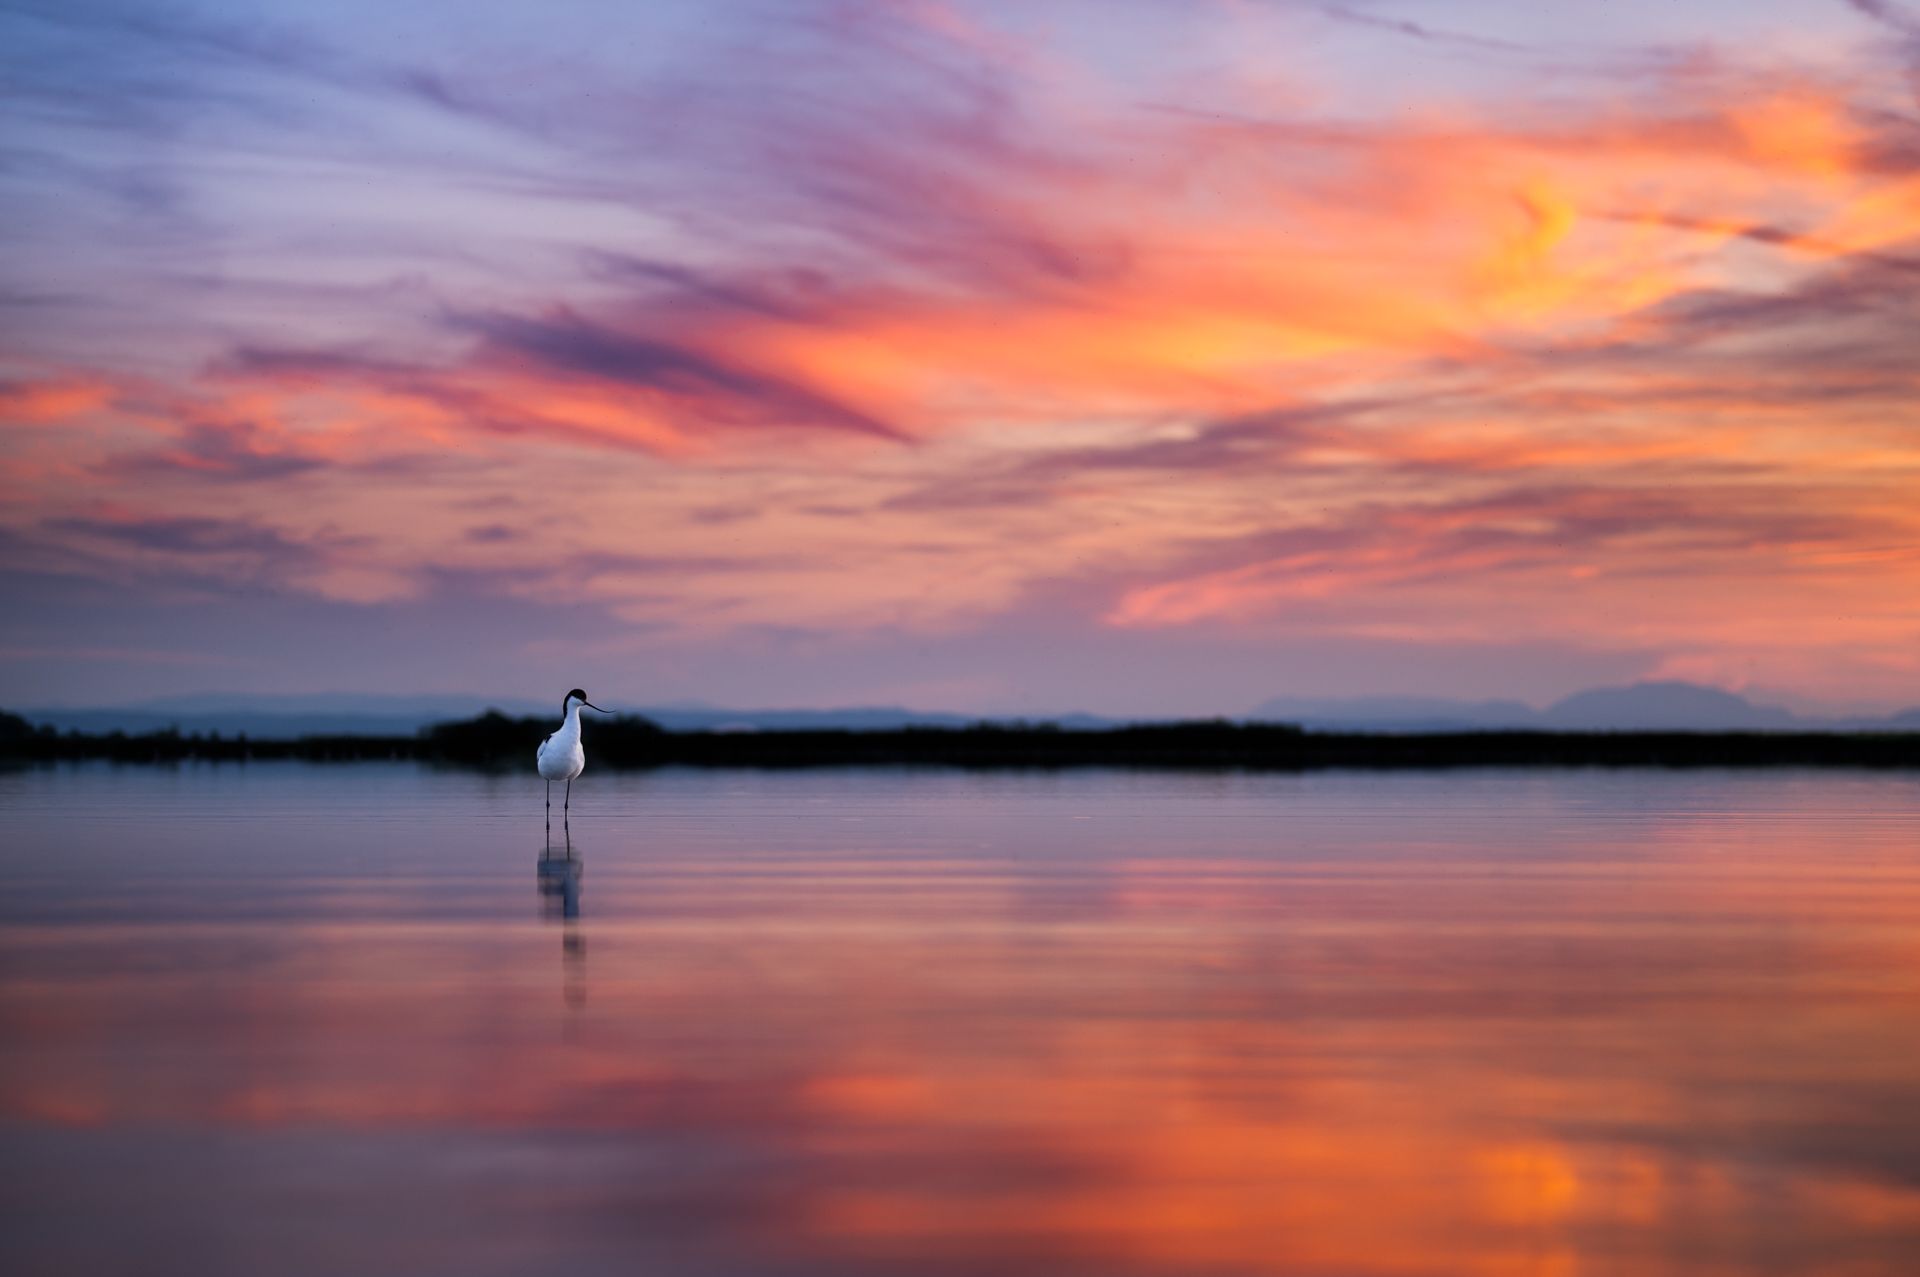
[(590, 705)]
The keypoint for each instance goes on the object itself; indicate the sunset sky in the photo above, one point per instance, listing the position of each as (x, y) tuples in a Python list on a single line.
[(1133, 356)]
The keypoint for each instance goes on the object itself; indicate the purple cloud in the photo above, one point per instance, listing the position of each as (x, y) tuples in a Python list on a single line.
[(232, 453), (571, 346)]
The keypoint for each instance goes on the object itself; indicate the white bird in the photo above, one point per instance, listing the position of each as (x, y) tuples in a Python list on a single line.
[(560, 756)]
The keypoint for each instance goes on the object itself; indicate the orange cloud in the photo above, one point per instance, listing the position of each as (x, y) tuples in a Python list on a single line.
[(52, 398), (1052, 341)]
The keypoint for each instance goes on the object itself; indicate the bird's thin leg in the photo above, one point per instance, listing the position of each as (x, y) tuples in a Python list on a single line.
[(568, 805)]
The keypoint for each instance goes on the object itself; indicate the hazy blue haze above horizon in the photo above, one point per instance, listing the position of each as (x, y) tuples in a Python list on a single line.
[(1652, 706)]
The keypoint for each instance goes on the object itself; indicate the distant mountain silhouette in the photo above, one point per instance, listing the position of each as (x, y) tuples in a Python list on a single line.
[(1665, 706), (1649, 706)]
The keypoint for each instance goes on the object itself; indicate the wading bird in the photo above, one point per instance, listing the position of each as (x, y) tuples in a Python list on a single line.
[(560, 756)]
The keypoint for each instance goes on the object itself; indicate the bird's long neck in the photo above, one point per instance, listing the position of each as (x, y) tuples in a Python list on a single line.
[(570, 725)]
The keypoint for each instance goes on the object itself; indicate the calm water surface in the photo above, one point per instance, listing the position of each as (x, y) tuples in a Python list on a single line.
[(360, 1020)]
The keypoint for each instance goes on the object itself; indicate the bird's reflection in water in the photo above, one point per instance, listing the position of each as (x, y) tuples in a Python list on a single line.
[(558, 877)]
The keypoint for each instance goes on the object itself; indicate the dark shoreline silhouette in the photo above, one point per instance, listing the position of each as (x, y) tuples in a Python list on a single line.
[(496, 741)]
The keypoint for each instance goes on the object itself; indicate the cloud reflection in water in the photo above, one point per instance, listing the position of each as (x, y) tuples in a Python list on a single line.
[(1475, 1025)]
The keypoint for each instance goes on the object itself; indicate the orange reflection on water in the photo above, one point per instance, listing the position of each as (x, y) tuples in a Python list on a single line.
[(1685, 1054)]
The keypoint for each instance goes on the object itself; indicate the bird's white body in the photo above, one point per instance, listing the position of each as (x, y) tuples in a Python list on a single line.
[(560, 756)]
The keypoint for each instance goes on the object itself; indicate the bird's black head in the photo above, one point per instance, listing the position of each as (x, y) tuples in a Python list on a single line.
[(577, 695)]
